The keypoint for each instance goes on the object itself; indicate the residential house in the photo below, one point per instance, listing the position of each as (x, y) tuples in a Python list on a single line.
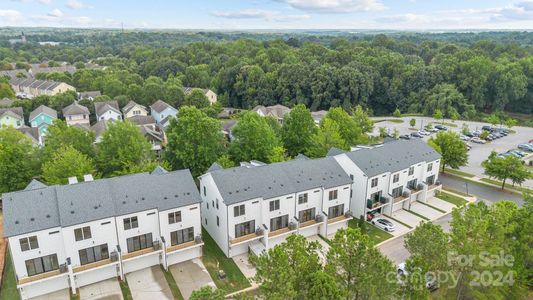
[(227, 128), (390, 177), (6, 102), (31, 87), (162, 112), (90, 95), (256, 206), (12, 116), (42, 117), (99, 128), (277, 111), (318, 116), (133, 109), (70, 236), (76, 114), (209, 94), (107, 110), (151, 131), (227, 112), (33, 133)]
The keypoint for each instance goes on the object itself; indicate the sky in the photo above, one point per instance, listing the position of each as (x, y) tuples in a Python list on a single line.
[(270, 14)]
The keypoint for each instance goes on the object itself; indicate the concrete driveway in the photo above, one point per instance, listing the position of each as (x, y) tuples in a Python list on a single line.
[(441, 204), (59, 295), (103, 290), (190, 276), (426, 211), (407, 218), (400, 229), (242, 261), (149, 283)]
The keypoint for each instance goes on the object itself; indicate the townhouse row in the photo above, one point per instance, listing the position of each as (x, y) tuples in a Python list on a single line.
[(77, 234)]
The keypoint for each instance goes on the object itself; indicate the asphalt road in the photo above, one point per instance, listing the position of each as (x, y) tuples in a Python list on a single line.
[(395, 249)]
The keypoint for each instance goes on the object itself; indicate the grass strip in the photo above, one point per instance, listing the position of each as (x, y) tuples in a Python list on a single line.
[(126, 292), (176, 293), (418, 215), (459, 173), (455, 200), (431, 206)]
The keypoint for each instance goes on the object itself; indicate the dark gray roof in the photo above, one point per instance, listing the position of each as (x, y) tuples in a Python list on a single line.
[(31, 132), (16, 111), (35, 184), (43, 110), (129, 106), (75, 109), (159, 106), (393, 156), (159, 170), (335, 151), (99, 128), (6, 102), (269, 181), (83, 202), (142, 120), (89, 94), (101, 107), (215, 166)]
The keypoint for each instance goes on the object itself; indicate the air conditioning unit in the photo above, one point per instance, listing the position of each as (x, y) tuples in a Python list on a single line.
[(292, 226), (198, 239), (319, 218), (157, 245), (114, 256), (259, 231), (63, 268), (420, 186), (405, 193), (348, 214)]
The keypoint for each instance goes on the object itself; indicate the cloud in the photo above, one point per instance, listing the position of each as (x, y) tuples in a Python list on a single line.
[(10, 16), (45, 2), (76, 4), (404, 18), (335, 6), (56, 13), (267, 15)]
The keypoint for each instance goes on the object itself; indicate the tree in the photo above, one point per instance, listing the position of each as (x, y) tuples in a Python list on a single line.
[(196, 98), (6, 91), (195, 142), (382, 132), (278, 155), (397, 113), (225, 161), (493, 119), (327, 137), (253, 139), (510, 123), (207, 293), (358, 267), (451, 148), (324, 287), (17, 160), (438, 114), (298, 130), (503, 168), (122, 147), (59, 135), (412, 122), (395, 133), (348, 128), (64, 163), (362, 119)]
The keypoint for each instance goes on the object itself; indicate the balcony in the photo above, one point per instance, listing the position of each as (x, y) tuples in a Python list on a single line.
[(40, 277), (308, 223), (434, 186), (183, 246), (338, 219), (372, 204), (244, 238), (400, 199), (92, 265), (138, 253)]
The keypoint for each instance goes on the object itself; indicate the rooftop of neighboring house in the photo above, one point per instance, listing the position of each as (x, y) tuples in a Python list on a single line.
[(15, 112), (6, 102), (149, 132), (46, 85), (89, 94), (392, 156), (279, 111), (318, 115), (142, 120), (159, 106), (75, 109), (102, 107), (43, 207), (228, 125), (187, 90), (100, 127), (126, 109), (257, 180), (31, 132), (43, 110)]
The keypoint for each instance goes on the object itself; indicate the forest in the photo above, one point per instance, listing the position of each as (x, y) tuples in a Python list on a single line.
[(464, 75)]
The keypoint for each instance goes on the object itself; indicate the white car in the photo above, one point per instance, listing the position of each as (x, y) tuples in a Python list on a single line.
[(464, 138), (383, 224), (477, 140), (431, 281), (423, 132), (432, 129)]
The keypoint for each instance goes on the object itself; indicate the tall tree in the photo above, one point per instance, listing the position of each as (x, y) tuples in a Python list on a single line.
[(194, 142), (64, 163), (327, 137), (348, 128), (504, 168), (253, 139), (60, 134), (17, 160), (452, 149), (362, 119), (298, 130), (196, 98)]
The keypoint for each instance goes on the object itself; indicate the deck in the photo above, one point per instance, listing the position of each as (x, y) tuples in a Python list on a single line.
[(39, 277), (244, 238), (92, 265), (182, 246), (138, 253), (337, 219), (308, 223)]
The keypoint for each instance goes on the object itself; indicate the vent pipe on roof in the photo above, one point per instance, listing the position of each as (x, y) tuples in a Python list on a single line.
[(88, 177), (72, 180)]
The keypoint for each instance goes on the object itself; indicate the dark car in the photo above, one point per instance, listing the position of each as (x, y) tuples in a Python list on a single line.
[(416, 134), (405, 137), (441, 127), (487, 128), (469, 134)]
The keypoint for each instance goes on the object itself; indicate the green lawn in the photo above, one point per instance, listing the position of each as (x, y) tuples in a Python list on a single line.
[(455, 191), (445, 124), (9, 290), (458, 173), (172, 284), (455, 200), (126, 293), (215, 260), (376, 235)]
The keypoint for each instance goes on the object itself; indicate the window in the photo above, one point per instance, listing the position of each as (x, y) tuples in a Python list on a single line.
[(411, 171), (274, 205), (397, 192), (213, 203), (29, 243), (205, 191), (244, 228), (93, 254), (182, 236), (395, 178), (238, 210), (411, 184), (333, 195), (279, 223), (336, 211), (82, 233), (174, 217), (374, 182), (218, 222), (130, 223), (207, 203), (217, 203), (302, 198), (430, 167), (306, 215), (139, 242), (42, 264)]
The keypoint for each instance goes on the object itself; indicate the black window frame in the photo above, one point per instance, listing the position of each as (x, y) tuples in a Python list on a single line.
[(182, 236), (93, 254), (47, 263), (411, 170), (239, 210), (130, 222), (174, 216), (336, 211), (274, 205), (248, 227), (306, 215), (143, 241), (395, 178), (82, 233), (374, 182), (303, 198), (333, 195), (31, 243), (278, 223)]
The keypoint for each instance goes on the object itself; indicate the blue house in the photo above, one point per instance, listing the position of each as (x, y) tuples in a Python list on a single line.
[(41, 117), (162, 112)]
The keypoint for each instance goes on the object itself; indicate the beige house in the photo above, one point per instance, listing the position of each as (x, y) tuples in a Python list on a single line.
[(31, 87), (133, 109), (211, 96), (277, 111), (76, 114)]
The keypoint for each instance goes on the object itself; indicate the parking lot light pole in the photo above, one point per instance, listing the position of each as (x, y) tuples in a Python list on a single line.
[(466, 184)]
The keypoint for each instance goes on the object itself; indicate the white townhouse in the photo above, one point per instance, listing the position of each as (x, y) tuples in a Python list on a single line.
[(391, 176), (162, 112), (256, 206), (107, 110), (74, 235)]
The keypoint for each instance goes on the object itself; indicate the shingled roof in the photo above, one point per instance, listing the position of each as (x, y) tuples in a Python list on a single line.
[(75, 109), (53, 206), (393, 156), (126, 109), (101, 107), (270, 181), (160, 106), (43, 110), (13, 111)]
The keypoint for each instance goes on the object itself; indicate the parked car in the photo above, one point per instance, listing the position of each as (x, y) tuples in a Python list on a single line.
[(464, 137), (441, 127), (477, 140), (526, 147), (423, 132), (431, 282), (416, 134), (519, 153), (383, 224), (489, 138), (513, 154), (405, 137), (469, 134), (487, 128), (468, 147), (502, 131), (530, 141), (476, 132), (432, 129)]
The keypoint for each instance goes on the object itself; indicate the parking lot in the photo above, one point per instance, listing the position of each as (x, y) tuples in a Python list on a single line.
[(479, 152)]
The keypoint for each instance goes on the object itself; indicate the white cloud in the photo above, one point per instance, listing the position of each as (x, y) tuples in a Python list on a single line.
[(10, 17), (56, 13), (335, 6), (268, 15), (45, 2), (76, 4)]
